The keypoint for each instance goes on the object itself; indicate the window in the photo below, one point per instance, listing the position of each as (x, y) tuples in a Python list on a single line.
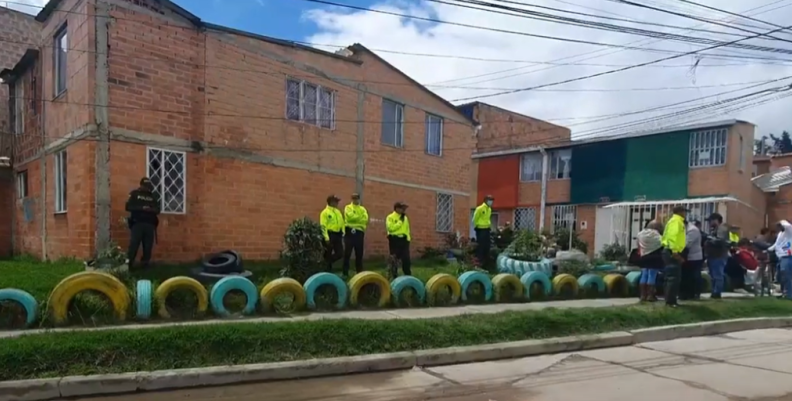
[(59, 60), (525, 218), (742, 154), (434, 135), (392, 123), (61, 173), (564, 217), (444, 215), (19, 106), (708, 148), (167, 171), (560, 164), (310, 103), (22, 184), (531, 167)]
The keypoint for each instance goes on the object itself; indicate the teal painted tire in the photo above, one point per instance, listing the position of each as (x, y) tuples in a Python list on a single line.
[(143, 299), (633, 279), (24, 299), (592, 280), (233, 283), (530, 278), (317, 280), (468, 278), (403, 282)]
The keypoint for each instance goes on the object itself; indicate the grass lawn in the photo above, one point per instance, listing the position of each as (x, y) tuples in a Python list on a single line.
[(114, 351)]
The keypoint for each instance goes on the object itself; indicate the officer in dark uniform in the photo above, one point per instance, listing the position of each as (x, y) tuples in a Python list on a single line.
[(143, 206)]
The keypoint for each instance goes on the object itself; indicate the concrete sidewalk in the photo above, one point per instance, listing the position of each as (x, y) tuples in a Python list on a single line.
[(385, 314)]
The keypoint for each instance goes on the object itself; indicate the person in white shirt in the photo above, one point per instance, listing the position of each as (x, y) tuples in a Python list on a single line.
[(783, 249)]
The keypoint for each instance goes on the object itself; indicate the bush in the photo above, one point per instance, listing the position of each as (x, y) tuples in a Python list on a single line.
[(527, 246), (576, 268), (503, 236), (303, 250), (614, 252), (561, 236)]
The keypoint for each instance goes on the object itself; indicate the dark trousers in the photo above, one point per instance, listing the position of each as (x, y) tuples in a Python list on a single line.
[(353, 241), (672, 272), (736, 273), (690, 280), (399, 249), (141, 234), (483, 244), (334, 249)]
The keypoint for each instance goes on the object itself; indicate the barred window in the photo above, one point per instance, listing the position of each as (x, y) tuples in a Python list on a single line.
[(525, 218), (708, 148), (310, 103), (444, 214)]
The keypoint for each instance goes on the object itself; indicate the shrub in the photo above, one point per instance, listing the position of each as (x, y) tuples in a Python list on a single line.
[(614, 252), (527, 246), (561, 236), (576, 268), (303, 250)]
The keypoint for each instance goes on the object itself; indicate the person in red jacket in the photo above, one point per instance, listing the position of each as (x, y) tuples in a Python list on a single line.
[(745, 255)]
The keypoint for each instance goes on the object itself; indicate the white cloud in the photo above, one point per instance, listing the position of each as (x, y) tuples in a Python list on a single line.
[(26, 6), (378, 31)]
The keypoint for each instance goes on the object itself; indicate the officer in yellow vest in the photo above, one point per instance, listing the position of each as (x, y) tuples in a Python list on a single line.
[(398, 227), (482, 224), (674, 241), (332, 222), (357, 219)]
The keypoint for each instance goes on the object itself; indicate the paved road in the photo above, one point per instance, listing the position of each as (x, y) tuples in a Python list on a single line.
[(750, 365)]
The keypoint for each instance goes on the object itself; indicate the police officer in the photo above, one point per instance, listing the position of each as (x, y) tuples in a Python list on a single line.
[(483, 227), (356, 217), (143, 206), (332, 222), (398, 227)]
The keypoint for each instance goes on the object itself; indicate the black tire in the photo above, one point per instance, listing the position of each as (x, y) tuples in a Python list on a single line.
[(238, 268), (220, 263)]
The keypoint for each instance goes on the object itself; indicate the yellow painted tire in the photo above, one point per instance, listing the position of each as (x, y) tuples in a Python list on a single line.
[(437, 282), (500, 281), (282, 286), (562, 281), (617, 285), (358, 281), (68, 288), (180, 283)]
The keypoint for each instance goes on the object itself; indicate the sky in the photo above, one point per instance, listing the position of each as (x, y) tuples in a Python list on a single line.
[(655, 96)]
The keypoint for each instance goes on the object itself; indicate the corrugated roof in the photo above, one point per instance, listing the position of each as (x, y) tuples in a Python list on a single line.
[(772, 181)]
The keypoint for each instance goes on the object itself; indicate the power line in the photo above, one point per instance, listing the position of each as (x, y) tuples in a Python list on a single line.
[(730, 13)]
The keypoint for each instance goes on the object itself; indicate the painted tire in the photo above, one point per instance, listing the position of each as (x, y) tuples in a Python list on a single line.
[(499, 283), (24, 299), (180, 283), (360, 280), (437, 282), (617, 285), (68, 288), (531, 278), (468, 278), (403, 282), (633, 280), (143, 299), (706, 283), (281, 286), (317, 280), (562, 281), (231, 283), (592, 280)]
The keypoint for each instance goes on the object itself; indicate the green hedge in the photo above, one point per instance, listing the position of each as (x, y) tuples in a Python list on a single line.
[(113, 351)]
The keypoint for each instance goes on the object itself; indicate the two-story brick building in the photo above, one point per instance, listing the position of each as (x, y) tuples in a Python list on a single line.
[(608, 187), (240, 133)]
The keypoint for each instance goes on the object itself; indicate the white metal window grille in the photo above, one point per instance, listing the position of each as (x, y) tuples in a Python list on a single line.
[(60, 48), (699, 211), (167, 171), (434, 135), (530, 167), (564, 216), (708, 148), (61, 172), (310, 103), (525, 218), (444, 214), (19, 106), (392, 123), (22, 184), (560, 164)]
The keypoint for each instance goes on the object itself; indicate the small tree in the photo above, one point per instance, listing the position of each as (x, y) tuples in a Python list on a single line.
[(562, 239), (303, 250)]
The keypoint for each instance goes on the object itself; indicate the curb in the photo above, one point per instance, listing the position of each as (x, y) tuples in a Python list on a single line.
[(84, 386)]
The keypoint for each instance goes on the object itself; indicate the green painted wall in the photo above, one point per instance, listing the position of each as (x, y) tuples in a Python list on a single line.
[(657, 167), (598, 171)]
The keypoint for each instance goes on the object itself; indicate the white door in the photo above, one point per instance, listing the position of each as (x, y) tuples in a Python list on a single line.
[(603, 230), (640, 216)]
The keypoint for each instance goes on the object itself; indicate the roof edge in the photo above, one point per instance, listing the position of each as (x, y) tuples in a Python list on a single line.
[(10, 75), (476, 102)]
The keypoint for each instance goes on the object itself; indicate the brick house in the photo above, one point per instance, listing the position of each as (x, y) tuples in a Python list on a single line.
[(607, 188), (774, 176), (240, 133), (17, 31)]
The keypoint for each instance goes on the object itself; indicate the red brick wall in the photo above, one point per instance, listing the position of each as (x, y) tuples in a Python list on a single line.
[(7, 195), (504, 129)]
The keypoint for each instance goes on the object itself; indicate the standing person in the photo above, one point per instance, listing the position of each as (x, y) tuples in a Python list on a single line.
[(690, 286), (357, 218), (674, 242), (398, 226), (482, 224), (761, 244), (717, 252), (332, 222), (648, 257), (783, 250), (143, 206)]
